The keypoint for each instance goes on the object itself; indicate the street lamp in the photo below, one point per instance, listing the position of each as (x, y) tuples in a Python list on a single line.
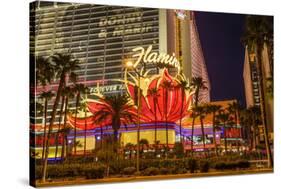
[(130, 65)]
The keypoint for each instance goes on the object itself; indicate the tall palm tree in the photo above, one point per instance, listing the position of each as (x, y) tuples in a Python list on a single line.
[(194, 115), (167, 86), (45, 71), (46, 96), (201, 113), (68, 93), (244, 121), (58, 134), (44, 75), (116, 109), (84, 108), (64, 65), (65, 150), (154, 94), (184, 85), (234, 109), (214, 109), (259, 31), (79, 89), (224, 118), (198, 84)]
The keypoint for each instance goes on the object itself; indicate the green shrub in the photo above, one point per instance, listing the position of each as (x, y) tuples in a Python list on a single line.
[(129, 170), (181, 171), (179, 150), (220, 166), (117, 166), (243, 164), (231, 165), (164, 171), (95, 172), (38, 172), (204, 166), (150, 171), (192, 165)]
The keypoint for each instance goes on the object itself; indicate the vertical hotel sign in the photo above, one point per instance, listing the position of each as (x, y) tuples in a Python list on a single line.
[(125, 24)]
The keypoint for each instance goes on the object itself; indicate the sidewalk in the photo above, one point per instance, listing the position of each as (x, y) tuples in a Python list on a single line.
[(80, 181)]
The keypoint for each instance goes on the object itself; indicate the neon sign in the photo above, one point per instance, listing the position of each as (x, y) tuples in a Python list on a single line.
[(164, 59)]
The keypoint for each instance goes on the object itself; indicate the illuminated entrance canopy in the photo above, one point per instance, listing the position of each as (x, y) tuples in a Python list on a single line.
[(146, 56)]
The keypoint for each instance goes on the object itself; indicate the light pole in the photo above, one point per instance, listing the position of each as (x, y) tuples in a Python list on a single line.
[(130, 65)]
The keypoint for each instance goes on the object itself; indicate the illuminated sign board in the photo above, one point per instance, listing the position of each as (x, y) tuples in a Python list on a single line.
[(107, 88)]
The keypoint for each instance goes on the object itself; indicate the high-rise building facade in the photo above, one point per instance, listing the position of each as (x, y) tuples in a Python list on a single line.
[(102, 38), (252, 82)]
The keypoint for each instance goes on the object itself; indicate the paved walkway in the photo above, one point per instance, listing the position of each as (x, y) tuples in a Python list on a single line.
[(80, 181)]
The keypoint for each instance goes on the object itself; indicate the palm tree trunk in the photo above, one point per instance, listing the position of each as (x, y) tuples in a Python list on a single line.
[(57, 134), (64, 142), (236, 122), (193, 119), (75, 120), (225, 140), (203, 135), (101, 137), (181, 112), (85, 134), (192, 134), (166, 120), (45, 128), (53, 116), (214, 134), (155, 129), (155, 119), (115, 140)]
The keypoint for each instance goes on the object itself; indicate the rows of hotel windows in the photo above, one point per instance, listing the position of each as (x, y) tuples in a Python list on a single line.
[(75, 27)]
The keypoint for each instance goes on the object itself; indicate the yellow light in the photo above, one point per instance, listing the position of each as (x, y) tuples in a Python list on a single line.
[(129, 64)]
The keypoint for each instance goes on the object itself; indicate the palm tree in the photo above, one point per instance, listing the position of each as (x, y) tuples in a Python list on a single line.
[(167, 86), (198, 84), (116, 109), (58, 134), (68, 93), (46, 96), (84, 108), (64, 65), (259, 31), (234, 109), (245, 123), (213, 109), (224, 118), (201, 113), (44, 74), (184, 85), (79, 89), (45, 71), (154, 93), (65, 150)]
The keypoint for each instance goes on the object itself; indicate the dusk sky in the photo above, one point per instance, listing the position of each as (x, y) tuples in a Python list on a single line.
[(220, 36)]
